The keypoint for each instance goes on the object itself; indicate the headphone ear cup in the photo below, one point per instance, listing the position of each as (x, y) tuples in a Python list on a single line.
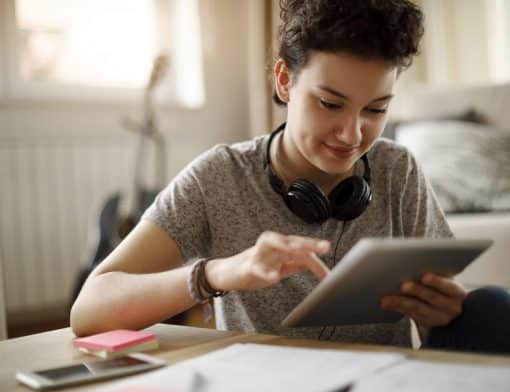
[(307, 201), (350, 198)]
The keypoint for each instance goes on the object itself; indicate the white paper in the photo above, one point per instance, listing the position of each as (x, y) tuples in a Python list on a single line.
[(415, 375), (257, 367)]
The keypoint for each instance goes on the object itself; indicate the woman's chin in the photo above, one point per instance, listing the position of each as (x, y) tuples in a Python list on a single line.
[(338, 168)]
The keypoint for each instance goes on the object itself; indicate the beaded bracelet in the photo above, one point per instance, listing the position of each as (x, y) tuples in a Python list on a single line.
[(192, 281)]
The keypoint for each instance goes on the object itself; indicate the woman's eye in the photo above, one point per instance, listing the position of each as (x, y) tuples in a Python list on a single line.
[(329, 105), (377, 111)]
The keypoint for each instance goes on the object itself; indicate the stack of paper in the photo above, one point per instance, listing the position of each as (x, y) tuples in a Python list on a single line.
[(254, 367), (115, 343), (417, 376), (257, 367)]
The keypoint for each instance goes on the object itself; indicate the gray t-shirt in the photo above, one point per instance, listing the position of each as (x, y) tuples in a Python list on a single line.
[(222, 201)]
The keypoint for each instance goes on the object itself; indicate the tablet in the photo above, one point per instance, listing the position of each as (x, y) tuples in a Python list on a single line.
[(373, 268)]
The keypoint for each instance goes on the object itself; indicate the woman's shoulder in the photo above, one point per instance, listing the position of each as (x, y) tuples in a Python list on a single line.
[(388, 154), (223, 157), (243, 152)]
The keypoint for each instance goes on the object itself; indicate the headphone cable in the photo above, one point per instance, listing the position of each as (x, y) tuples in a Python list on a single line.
[(334, 259)]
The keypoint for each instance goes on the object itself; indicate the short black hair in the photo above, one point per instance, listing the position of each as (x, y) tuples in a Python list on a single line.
[(370, 29)]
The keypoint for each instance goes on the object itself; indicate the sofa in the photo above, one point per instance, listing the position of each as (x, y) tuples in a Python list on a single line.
[(446, 129)]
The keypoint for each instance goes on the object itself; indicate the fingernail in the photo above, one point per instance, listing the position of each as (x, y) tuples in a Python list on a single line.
[(323, 245)]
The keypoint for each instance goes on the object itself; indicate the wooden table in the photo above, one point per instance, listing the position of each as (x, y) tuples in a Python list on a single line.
[(51, 349)]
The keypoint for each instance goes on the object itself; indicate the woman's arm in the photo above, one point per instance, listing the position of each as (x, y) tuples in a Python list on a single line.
[(141, 282), (138, 284), (433, 300)]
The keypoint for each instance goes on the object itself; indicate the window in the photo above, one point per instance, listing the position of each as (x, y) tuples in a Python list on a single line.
[(103, 49)]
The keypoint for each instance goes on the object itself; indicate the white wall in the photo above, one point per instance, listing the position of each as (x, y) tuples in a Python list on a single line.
[(224, 118)]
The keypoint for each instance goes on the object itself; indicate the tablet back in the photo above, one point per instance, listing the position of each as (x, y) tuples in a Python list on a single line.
[(351, 293)]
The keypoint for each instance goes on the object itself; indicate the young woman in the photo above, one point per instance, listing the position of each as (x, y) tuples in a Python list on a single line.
[(257, 224)]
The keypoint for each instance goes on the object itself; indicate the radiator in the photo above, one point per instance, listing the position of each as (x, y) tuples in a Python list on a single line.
[(52, 188)]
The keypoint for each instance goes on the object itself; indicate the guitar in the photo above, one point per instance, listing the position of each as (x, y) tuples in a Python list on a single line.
[(139, 198), (114, 224)]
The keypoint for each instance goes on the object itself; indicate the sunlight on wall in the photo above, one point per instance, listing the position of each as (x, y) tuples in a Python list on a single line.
[(109, 45), (93, 42)]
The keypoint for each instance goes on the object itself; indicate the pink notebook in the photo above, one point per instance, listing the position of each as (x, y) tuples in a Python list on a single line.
[(113, 340)]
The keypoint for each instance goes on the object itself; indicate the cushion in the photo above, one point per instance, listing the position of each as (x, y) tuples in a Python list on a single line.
[(467, 164)]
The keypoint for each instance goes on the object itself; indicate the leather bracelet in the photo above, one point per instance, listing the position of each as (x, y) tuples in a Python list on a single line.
[(203, 283)]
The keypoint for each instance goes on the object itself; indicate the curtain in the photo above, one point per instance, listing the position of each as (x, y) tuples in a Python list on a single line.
[(3, 323), (466, 42), (264, 17)]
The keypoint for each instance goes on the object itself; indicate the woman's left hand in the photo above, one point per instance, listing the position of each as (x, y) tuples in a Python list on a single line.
[(434, 301)]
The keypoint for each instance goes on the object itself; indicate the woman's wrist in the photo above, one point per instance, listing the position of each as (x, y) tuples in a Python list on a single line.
[(200, 288), (214, 275)]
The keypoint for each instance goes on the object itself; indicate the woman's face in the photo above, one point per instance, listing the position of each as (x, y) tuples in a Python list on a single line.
[(337, 108)]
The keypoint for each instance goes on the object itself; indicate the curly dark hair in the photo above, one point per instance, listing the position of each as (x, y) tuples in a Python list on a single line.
[(371, 29)]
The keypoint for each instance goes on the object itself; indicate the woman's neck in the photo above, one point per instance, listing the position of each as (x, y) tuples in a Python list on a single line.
[(289, 165)]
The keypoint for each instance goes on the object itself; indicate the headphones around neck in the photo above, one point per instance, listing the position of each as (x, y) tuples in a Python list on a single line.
[(347, 200)]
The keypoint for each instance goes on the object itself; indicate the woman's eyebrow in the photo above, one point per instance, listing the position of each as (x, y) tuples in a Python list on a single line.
[(333, 92), (383, 98), (343, 96)]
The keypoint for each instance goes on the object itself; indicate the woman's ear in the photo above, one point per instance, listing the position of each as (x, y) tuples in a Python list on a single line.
[(282, 80)]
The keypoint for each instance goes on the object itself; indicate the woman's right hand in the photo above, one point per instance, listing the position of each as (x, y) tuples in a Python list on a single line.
[(274, 257)]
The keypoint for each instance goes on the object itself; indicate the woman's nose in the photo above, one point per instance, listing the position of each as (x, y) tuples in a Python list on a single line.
[(348, 131)]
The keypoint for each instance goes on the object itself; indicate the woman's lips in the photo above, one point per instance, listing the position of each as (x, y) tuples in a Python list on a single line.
[(340, 151)]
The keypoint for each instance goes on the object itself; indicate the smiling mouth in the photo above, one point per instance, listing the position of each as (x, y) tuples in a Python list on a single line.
[(341, 148), (340, 151)]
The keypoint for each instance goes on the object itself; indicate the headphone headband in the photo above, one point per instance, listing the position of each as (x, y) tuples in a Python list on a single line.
[(280, 185)]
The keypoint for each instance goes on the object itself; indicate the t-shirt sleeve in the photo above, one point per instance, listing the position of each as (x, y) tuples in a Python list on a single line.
[(420, 212), (180, 209)]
